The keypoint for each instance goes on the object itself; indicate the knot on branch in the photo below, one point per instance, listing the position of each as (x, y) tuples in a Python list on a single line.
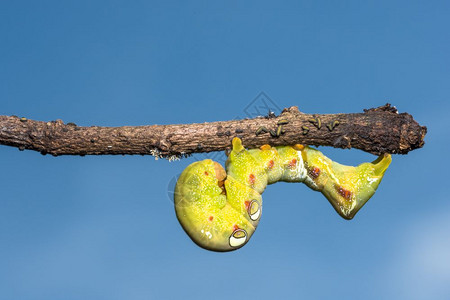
[(387, 107)]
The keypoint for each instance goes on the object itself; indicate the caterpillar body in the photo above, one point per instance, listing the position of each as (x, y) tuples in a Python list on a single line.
[(220, 210)]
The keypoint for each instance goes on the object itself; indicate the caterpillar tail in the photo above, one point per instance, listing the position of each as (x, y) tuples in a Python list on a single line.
[(220, 210)]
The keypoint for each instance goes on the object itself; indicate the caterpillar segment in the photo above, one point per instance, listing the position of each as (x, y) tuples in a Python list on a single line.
[(220, 210)]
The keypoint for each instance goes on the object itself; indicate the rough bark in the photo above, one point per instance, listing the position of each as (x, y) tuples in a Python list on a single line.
[(378, 130)]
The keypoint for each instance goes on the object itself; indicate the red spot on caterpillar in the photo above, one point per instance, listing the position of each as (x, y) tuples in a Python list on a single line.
[(314, 172), (247, 204), (252, 179), (235, 227), (292, 163), (344, 193), (211, 218), (206, 173), (270, 164)]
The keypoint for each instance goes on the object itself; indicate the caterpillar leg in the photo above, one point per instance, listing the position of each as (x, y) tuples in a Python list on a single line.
[(347, 188)]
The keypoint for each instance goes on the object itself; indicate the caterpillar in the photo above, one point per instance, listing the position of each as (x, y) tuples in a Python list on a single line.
[(220, 210)]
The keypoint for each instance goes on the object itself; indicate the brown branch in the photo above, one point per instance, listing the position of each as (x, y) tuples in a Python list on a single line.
[(379, 130)]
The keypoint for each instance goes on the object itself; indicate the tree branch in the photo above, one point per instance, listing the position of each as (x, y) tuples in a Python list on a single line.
[(377, 130)]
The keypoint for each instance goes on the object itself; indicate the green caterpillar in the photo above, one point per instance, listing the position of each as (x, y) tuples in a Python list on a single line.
[(220, 210)]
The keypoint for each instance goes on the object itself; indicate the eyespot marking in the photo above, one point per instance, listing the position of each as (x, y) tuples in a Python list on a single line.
[(254, 210), (270, 164), (238, 238)]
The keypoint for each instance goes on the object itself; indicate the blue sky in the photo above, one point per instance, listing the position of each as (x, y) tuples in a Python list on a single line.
[(105, 227)]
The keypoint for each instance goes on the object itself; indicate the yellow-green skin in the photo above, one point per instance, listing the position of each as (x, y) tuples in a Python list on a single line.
[(220, 210)]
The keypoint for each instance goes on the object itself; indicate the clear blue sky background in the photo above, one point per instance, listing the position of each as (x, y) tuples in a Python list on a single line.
[(105, 227)]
